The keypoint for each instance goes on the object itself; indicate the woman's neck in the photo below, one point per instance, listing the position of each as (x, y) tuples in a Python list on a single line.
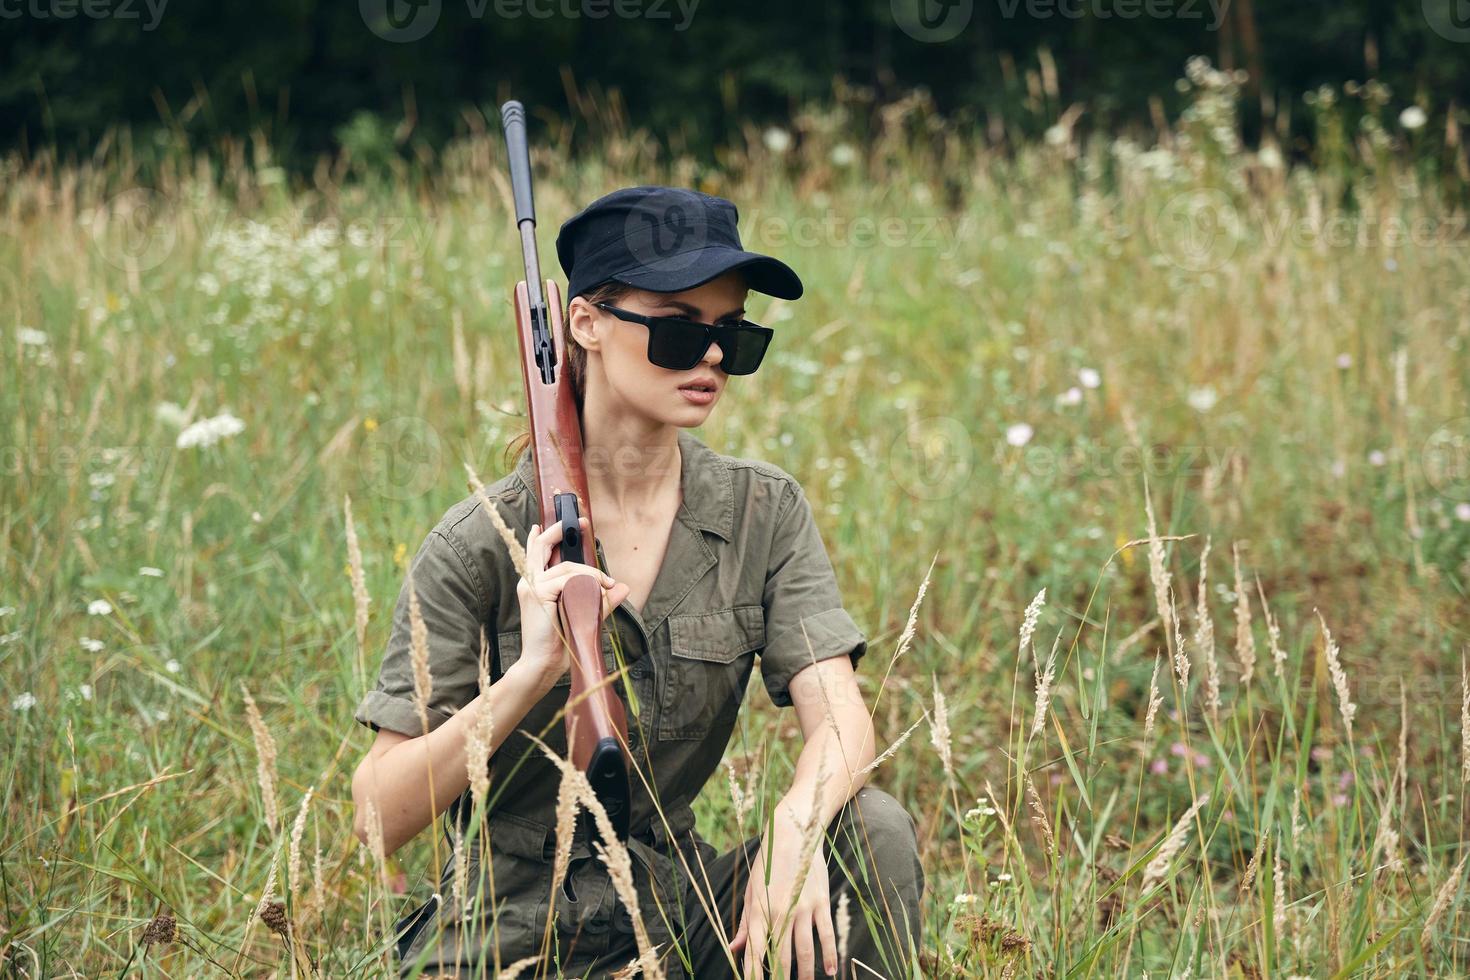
[(633, 464)]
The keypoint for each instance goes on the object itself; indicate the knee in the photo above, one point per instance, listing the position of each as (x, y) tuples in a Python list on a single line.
[(878, 826)]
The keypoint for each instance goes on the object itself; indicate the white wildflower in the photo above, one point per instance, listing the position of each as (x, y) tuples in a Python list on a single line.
[(777, 140), (1089, 377), (90, 645), (99, 607), (172, 414), (1413, 118), (843, 155), (31, 337), (1202, 399), (151, 572), (24, 701), (207, 432), (1018, 434), (85, 690)]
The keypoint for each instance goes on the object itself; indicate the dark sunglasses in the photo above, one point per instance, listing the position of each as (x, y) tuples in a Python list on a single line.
[(678, 344)]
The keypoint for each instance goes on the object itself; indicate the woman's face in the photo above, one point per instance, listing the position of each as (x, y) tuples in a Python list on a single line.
[(617, 350)]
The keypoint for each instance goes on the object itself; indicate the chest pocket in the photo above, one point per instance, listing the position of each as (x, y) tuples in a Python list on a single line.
[(509, 645), (711, 656)]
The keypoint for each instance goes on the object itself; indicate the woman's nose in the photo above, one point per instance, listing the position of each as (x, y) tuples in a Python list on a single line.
[(713, 355)]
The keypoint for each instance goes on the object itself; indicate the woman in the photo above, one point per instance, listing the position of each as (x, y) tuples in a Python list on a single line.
[(718, 559)]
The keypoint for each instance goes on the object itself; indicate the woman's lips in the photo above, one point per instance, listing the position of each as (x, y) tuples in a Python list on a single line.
[(696, 396)]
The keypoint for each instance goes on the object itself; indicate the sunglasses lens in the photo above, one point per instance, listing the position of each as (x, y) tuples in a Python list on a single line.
[(744, 348), (675, 344)]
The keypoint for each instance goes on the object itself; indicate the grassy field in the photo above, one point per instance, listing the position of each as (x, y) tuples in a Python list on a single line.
[(1241, 748)]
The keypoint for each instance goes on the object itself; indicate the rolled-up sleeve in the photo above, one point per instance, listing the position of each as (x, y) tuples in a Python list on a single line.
[(805, 621), (452, 603)]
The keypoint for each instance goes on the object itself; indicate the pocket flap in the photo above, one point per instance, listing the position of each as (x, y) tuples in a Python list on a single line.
[(719, 636), (509, 645)]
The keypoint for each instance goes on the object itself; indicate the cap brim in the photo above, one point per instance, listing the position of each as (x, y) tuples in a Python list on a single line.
[(695, 268)]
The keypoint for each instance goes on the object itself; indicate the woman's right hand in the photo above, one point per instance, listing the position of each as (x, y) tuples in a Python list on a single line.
[(541, 648)]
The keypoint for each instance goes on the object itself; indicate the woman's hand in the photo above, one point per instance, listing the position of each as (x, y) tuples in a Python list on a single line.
[(541, 647), (766, 908)]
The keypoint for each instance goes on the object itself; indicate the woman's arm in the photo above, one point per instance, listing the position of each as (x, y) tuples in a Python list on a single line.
[(396, 773), (411, 779), (835, 725)]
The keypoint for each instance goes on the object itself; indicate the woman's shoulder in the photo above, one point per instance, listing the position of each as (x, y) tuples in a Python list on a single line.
[(468, 529)]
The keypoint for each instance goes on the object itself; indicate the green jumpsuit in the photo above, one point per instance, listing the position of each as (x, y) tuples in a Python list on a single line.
[(745, 575)]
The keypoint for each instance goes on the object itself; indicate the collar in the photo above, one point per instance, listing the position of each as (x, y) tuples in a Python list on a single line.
[(704, 477)]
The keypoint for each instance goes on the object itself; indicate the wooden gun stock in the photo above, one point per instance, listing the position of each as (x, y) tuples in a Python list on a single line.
[(597, 726)]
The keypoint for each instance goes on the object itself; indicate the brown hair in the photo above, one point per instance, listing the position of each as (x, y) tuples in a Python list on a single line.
[(576, 364)]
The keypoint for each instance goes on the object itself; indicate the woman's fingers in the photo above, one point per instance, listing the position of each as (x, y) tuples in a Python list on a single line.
[(801, 941), (783, 948), (828, 938)]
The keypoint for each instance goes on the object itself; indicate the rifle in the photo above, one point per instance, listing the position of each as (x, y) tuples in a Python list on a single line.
[(597, 727)]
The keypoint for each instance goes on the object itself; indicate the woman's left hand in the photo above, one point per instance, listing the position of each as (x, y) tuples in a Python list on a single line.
[(766, 906)]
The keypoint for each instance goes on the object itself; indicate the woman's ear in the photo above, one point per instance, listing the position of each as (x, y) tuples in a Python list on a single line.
[(582, 322)]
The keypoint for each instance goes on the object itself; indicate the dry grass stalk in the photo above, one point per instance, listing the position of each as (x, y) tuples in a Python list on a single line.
[(463, 368), (1133, 639), (1181, 655), (906, 638), (1339, 677), (566, 828), (1028, 621), (1278, 915), (811, 834), (1157, 570), (1442, 900), (418, 656), (1044, 679), (743, 794), (614, 855), (375, 842), (843, 927), (265, 759), (888, 752), (512, 544), (1038, 815), (318, 880), (1204, 635), (514, 970), (939, 733), (1273, 634), (1155, 701), (1464, 721), (1245, 640), (360, 599), (293, 855), (268, 894), (479, 737), (484, 367), (460, 888), (1253, 866), (1157, 868)]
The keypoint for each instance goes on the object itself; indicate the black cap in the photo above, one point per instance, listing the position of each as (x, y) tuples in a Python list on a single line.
[(665, 239)]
